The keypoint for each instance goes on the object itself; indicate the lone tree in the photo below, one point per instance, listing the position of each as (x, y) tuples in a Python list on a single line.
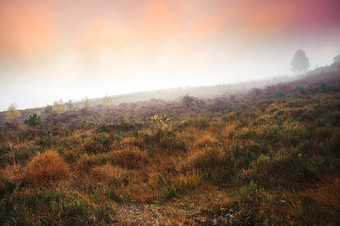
[(12, 114), (300, 62), (336, 61)]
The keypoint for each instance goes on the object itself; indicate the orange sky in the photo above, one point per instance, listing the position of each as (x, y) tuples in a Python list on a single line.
[(32, 29), (54, 40)]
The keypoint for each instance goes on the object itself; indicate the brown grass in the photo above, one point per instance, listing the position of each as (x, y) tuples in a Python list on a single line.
[(132, 159), (242, 161), (205, 140), (86, 162), (108, 173), (45, 168), (328, 193), (189, 180), (13, 172)]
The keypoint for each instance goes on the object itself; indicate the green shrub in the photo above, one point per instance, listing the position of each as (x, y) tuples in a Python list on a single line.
[(322, 85), (33, 120), (116, 137), (171, 193), (279, 92), (302, 90)]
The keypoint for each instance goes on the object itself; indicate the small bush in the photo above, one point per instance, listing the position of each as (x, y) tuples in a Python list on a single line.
[(322, 85), (33, 120), (160, 122), (279, 92), (46, 168), (116, 137), (302, 90)]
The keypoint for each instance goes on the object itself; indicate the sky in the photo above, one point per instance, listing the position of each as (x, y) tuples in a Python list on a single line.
[(52, 49)]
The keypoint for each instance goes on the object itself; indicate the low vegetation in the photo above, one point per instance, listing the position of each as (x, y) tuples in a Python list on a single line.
[(265, 157)]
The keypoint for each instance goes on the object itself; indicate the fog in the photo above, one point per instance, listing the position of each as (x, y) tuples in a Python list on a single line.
[(52, 51)]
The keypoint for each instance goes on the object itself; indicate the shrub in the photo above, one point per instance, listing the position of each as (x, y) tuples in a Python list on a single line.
[(116, 137), (160, 122), (322, 85), (33, 120), (279, 91), (46, 168), (302, 90)]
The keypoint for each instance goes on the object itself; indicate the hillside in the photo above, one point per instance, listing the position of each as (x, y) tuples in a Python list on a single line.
[(264, 156), (162, 94)]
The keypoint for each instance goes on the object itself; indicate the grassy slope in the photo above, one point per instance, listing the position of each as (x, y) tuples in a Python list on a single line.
[(254, 158), (163, 94)]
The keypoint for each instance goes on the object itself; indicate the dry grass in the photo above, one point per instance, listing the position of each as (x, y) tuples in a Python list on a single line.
[(205, 140), (238, 162), (46, 168), (327, 193), (189, 180), (86, 162), (110, 174), (13, 172), (132, 159)]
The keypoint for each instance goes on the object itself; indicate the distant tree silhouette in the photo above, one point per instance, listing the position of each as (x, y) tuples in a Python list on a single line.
[(300, 62), (336, 59)]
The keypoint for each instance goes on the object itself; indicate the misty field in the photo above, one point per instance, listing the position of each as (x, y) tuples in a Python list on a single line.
[(263, 157)]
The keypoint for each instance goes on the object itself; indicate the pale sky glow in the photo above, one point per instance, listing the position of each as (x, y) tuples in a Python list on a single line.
[(72, 49)]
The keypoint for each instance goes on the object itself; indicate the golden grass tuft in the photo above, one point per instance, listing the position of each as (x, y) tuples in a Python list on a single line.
[(189, 180), (132, 159), (108, 173), (86, 162), (205, 140), (204, 158), (45, 168), (190, 134)]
